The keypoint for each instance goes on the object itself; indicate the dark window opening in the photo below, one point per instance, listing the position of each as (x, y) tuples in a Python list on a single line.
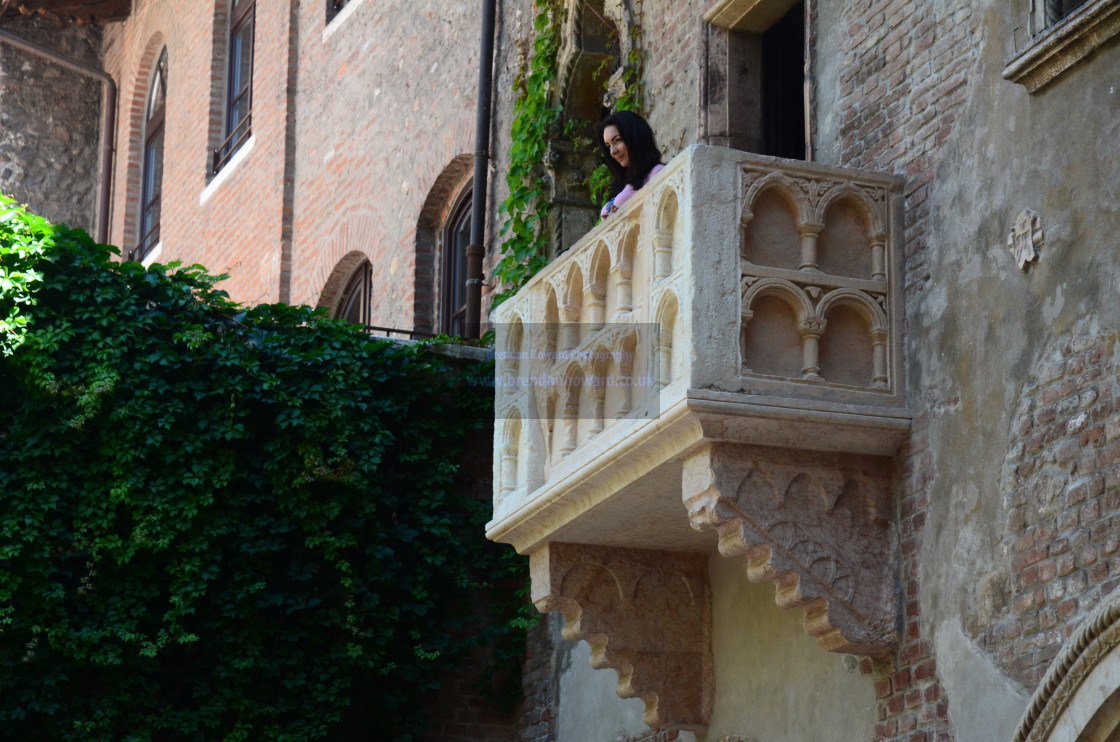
[(239, 82), (783, 86), (1056, 10), (453, 295), (354, 305), (151, 179), (333, 8)]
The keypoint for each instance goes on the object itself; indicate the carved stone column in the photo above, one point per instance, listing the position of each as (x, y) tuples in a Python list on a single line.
[(813, 523), (646, 614)]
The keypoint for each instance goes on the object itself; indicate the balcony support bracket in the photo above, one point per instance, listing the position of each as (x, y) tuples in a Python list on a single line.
[(816, 524), (646, 614)]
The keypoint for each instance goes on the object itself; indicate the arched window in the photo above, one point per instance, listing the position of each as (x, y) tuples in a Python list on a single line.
[(152, 166), (353, 306), (453, 293)]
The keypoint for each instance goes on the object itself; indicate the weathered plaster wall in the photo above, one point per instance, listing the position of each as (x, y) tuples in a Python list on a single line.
[(1020, 545), (589, 707), (49, 119), (1010, 491), (773, 681)]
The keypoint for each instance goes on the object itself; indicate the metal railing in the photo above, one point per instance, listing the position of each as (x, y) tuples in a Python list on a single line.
[(234, 141)]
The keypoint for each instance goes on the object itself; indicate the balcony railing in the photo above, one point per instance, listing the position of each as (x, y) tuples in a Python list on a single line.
[(758, 296), (717, 365)]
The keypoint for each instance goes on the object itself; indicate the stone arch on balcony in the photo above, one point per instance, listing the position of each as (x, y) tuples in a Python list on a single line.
[(571, 307), (595, 293), (665, 238), (513, 347), (550, 324), (668, 349), (854, 235), (599, 367), (853, 345), (510, 459), (620, 395), (775, 314), (571, 396), (623, 249), (775, 214), (552, 427)]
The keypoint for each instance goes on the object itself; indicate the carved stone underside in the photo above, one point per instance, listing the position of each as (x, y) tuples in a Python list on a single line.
[(814, 524), (646, 614)]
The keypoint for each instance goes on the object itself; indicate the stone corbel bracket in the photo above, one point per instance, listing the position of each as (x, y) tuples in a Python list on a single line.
[(816, 524), (646, 614)]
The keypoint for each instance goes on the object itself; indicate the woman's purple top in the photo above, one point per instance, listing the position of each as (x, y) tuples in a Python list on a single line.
[(624, 195)]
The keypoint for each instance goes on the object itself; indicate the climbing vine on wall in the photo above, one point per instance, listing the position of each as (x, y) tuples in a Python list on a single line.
[(524, 214), (227, 522)]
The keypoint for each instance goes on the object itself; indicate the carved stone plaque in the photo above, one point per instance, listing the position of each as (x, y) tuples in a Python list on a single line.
[(1025, 238)]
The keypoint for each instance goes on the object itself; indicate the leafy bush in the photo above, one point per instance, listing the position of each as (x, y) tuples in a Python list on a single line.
[(224, 522)]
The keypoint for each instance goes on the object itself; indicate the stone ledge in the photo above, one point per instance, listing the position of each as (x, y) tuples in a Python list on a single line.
[(1065, 44), (753, 16)]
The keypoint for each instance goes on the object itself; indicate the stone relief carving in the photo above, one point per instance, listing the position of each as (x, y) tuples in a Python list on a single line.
[(816, 526), (1025, 238), (646, 614), (814, 188), (807, 256)]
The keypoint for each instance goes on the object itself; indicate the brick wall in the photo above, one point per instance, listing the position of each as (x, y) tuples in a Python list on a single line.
[(903, 84), (461, 712), (539, 708), (354, 125), (1061, 494), (237, 227), (386, 112)]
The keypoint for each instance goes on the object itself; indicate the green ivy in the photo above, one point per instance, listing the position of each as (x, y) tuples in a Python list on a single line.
[(525, 210), (221, 522)]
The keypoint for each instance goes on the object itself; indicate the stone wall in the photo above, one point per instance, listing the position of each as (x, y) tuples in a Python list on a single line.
[(49, 119)]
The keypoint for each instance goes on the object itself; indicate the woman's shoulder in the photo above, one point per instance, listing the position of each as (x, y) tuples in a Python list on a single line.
[(654, 171)]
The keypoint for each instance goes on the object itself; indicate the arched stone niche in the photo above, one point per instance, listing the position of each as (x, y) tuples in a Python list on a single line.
[(596, 37), (814, 291), (1078, 700)]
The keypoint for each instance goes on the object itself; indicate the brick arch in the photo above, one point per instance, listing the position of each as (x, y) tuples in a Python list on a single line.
[(331, 294), (134, 133), (441, 198)]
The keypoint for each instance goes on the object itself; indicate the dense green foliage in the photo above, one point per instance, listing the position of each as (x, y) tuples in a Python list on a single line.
[(220, 522)]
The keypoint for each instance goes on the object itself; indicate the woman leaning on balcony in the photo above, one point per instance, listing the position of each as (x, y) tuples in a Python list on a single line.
[(630, 152)]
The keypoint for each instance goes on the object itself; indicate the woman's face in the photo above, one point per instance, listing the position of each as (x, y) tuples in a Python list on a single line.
[(612, 140)]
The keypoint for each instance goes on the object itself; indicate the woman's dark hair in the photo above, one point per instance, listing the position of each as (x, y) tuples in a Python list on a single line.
[(640, 144)]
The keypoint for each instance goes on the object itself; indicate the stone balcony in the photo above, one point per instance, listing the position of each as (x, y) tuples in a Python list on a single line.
[(724, 354)]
